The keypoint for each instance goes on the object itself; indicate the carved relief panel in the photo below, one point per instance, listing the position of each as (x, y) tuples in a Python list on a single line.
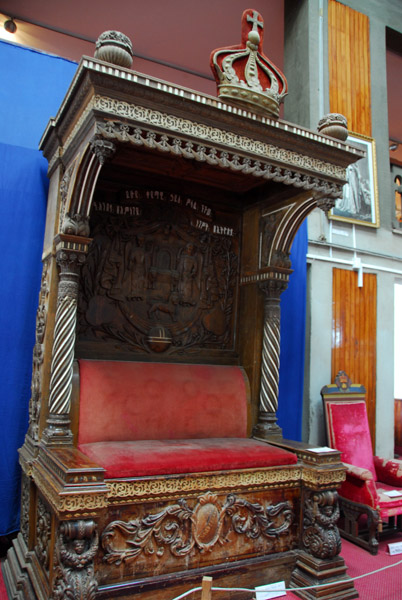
[(162, 537), (36, 382), (161, 274)]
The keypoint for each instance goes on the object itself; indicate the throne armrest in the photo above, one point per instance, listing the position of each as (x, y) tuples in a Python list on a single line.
[(388, 471), (357, 473), (359, 486)]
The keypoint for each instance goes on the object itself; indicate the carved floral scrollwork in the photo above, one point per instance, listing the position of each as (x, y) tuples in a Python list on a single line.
[(117, 130), (76, 546), (181, 528), (321, 513)]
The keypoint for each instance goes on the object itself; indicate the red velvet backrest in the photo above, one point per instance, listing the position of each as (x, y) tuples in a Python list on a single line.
[(122, 401), (348, 432)]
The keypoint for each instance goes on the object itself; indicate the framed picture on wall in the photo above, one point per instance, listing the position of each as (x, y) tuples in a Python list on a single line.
[(359, 203)]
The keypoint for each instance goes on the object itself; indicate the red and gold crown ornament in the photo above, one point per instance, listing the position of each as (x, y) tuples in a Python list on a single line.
[(244, 74)]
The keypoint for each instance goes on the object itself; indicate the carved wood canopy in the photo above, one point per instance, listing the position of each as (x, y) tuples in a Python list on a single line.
[(165, 182)]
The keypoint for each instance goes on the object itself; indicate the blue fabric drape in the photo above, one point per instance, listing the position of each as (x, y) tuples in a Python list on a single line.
[(33, 86), (23, 184), (293, 328)]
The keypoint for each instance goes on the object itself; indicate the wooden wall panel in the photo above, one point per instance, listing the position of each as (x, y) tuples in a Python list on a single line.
[(349, 66), (354, 333)]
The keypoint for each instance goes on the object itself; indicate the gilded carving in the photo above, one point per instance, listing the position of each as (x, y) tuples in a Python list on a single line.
[(74, 504), (160, 276), (332, 477), (76, 546), (320, 532), (136, 491), (180, 528)]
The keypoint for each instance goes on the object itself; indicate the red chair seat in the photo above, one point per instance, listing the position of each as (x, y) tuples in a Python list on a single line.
[(389, 506), (142, 458)]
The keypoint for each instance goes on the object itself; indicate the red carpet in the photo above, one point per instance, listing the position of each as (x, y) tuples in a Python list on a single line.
[(386, 585), (3, 593)]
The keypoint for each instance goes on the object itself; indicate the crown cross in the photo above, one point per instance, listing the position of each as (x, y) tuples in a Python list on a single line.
[(254, 20), (243, 73)]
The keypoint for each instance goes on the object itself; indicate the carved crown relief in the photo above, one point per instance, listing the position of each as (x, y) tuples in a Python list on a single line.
[(160, 275)]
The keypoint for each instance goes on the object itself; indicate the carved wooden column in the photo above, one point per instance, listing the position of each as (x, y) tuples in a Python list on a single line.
[(267, 426), (71, 252), (319, 562)]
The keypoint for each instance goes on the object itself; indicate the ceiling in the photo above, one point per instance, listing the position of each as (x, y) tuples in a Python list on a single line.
[(172, 39), (182, 36)]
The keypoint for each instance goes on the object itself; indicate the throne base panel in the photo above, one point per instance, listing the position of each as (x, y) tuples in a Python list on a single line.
[(245, 573), (15, 573), (136, 543)]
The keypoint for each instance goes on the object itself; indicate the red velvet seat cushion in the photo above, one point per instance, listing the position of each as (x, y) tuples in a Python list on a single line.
[(160, 457), (146, 401), (389, 506), (349, 433)]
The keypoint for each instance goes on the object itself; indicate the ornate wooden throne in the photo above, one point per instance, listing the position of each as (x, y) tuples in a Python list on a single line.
[(170, 220)]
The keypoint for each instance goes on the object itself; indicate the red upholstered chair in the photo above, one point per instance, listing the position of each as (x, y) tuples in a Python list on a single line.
[(371, 496)]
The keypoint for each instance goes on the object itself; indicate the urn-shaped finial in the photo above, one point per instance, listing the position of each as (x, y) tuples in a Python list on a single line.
[(334, 125), (114, 47)]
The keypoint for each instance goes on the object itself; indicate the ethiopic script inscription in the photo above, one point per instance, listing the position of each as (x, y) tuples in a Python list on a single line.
[(160, 274)]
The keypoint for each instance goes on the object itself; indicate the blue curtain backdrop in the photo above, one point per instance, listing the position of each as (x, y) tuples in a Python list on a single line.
[(32, 87), (293, 327)]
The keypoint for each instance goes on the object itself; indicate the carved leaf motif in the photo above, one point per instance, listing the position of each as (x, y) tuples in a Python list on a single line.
[(180, 528), (137, 534)]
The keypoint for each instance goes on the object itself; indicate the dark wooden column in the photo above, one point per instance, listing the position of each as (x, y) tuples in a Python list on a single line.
[(70, 255), (267, 426)]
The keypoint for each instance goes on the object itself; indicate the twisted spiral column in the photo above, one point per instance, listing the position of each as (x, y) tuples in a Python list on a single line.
[(63, 353), (70, 255), (267, 426)]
